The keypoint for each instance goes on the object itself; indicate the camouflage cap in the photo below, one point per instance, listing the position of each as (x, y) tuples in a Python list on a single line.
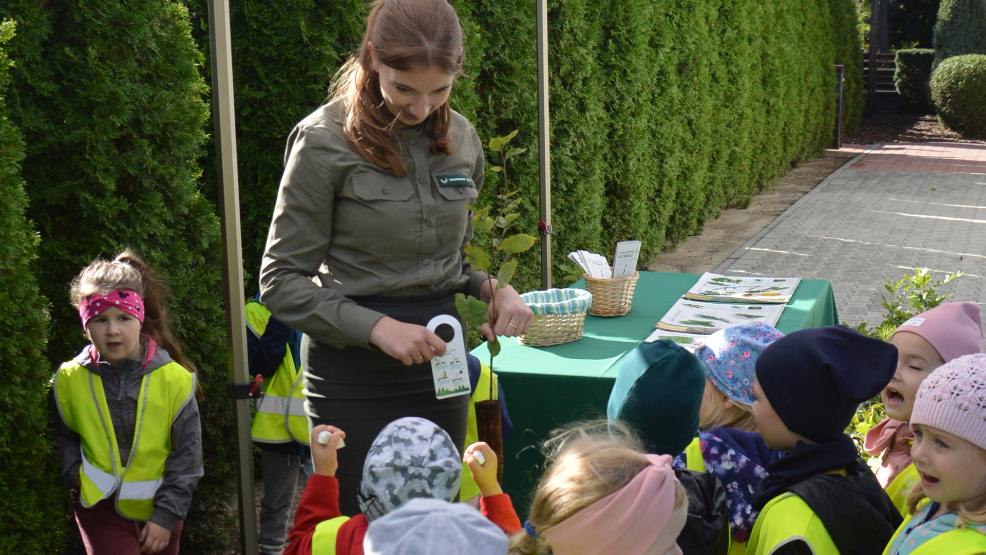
[(411, 457)]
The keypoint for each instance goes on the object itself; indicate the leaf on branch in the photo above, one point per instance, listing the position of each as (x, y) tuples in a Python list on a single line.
[(493, 346), (477, 258), (486, 224), (495, 169), (497, 143), (515, 152), (516, 244), (506, 273), (471, 309)]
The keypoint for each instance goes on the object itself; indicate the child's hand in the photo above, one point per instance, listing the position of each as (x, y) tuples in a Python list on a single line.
[(485, 473), (324, 457), (153, 538)]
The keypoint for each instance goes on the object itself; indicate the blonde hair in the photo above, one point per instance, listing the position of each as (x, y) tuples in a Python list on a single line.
[(966, 515), (719, 415), (129, 271), (586, 462)]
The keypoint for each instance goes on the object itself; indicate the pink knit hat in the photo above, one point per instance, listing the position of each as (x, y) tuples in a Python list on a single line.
[(953, 399), (953, 329)]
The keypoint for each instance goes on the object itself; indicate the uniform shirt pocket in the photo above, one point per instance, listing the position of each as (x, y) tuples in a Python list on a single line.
[(456, 191)]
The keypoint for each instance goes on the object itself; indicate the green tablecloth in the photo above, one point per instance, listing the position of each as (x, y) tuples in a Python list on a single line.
[(549, 386)]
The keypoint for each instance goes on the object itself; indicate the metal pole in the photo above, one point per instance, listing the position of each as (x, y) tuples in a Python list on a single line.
[(544, 144), (871, 76), (840, 80), (225, 122)]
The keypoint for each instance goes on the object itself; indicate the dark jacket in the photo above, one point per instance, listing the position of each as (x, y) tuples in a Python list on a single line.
[(706, 530), (121, 385)]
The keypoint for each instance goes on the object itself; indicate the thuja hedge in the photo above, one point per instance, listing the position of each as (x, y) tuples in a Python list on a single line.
[(113, 109), (32, 516), (959, 29), (662, 113)]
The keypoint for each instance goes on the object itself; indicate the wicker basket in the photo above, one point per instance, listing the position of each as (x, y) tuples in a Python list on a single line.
[(611, 297), (559, 316)]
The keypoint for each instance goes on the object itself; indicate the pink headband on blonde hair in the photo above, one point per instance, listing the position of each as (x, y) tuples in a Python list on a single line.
[(630, 520), (126, 300)]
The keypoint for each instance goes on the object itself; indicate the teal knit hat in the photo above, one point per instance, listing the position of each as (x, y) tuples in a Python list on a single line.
[(658, 392)]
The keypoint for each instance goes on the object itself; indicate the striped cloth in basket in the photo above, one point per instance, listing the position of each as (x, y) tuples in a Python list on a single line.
[(558, 301)]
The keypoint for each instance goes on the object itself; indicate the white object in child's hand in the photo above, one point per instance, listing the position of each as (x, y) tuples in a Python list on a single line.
[(479, 457), (324, 436)]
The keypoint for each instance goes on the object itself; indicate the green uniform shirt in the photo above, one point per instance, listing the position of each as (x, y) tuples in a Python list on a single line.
[(360, 230)]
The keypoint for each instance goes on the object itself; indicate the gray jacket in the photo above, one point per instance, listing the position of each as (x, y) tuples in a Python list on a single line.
[(121, 385)]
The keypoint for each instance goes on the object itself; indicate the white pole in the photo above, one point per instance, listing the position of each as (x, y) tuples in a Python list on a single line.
[(225, 125), (544, 144)]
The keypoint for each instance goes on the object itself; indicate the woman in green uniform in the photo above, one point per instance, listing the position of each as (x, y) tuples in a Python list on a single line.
[(366, 242)]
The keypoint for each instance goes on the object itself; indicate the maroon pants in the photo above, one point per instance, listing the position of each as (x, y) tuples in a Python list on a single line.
[(103, 530)]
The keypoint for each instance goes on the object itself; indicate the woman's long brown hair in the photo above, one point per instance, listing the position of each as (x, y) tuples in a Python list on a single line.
[(406, 34)]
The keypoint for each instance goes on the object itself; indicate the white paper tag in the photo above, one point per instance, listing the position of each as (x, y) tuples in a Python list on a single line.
[(451, 370), (625, 259), (914, 321)]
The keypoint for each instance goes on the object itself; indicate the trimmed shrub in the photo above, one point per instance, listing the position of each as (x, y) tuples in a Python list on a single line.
[(912, 76), (960, 29), (33, 513), (109, 97), (958, 89)]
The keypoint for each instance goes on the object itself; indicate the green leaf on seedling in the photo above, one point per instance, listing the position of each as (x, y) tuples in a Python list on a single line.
[(497, 143), (471, 309), (506, 273), (516, 244), (486, 224), (477, 258), (514, 205), (515, 152), (495, 169), (493, 346)]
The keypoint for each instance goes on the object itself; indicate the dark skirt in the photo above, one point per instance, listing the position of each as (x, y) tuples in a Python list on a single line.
[(362, 390)]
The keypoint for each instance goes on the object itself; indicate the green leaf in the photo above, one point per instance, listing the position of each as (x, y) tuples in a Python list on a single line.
[(516, 244), (506, 273), (493, 346), (486, 224), (497, 143), (478, 258), (471, 309), (495, 169), (515, 152)]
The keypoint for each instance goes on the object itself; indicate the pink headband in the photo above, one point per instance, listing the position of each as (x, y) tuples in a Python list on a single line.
[(629, 520), (126, 300)]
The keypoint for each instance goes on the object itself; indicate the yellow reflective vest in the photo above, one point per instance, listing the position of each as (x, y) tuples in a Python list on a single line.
[(324, 538), (81, 402), (787, 518), (695, 461), (485, 390), (900, 488), (958, 541), (280, 414)]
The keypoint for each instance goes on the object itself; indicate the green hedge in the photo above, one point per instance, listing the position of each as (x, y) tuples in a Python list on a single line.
[(110, 100), (32, 511), (960, 29), (912, 75), (958, 89)]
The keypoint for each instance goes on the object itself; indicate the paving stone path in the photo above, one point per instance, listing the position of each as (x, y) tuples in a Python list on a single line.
[(893, 208)]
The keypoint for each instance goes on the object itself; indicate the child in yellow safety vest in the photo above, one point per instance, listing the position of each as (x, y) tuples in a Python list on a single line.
[(280, 427), (410, 458), (923, 343), (820, 497), (124, 414), (949, 452), (485, 385), (726, 446)]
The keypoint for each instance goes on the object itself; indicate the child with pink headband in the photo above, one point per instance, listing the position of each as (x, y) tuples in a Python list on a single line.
[(923, 343), (126, 421), (601, 494)]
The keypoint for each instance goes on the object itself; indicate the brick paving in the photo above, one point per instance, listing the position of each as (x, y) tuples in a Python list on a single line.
[(893, 208)]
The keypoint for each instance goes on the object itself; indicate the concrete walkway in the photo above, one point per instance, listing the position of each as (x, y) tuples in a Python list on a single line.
[(891, 209)]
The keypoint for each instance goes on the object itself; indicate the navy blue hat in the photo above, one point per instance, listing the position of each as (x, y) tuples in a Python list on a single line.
[(658, 392), (816, 378)]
